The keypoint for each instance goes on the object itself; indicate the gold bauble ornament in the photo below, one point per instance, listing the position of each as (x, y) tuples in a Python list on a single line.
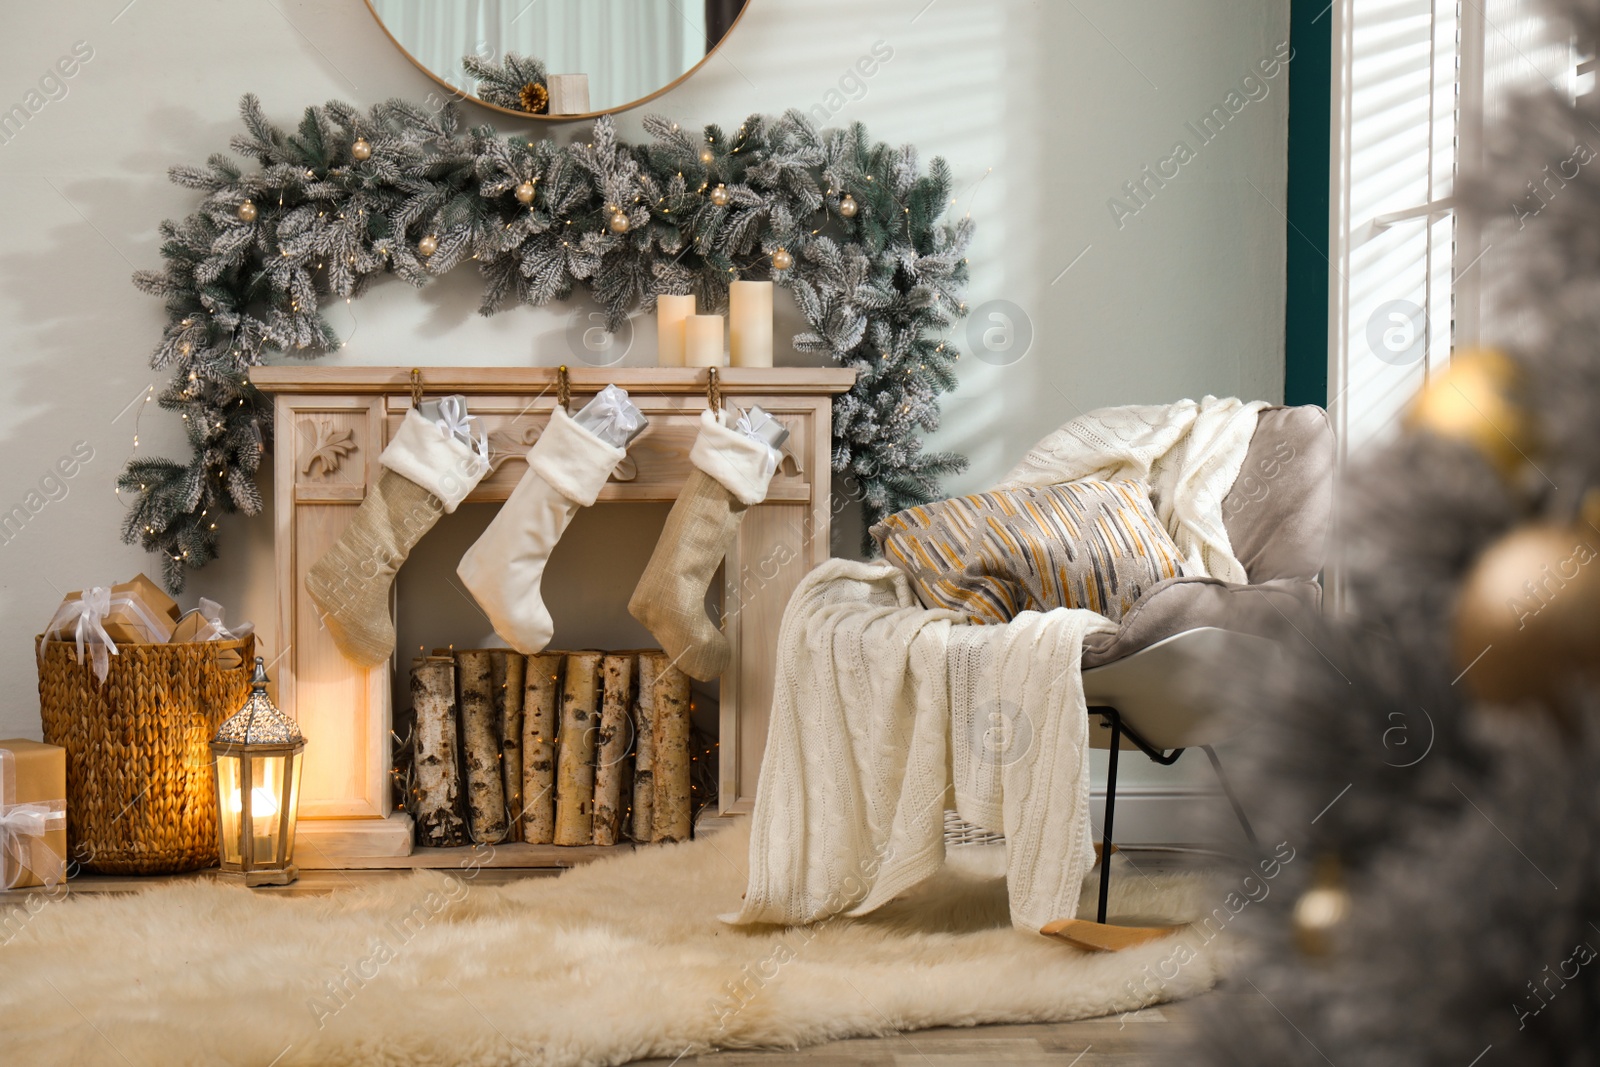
[(247, 211), (1527, 620), (782, 260), (619, 222), (1476, 401), (534, 98), (719, 196), (707, 157), (362, 149), (848, 206), (428, 245), (525, 192), (1321, 910)]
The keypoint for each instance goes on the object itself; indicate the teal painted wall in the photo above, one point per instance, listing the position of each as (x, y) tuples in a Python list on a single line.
[(1305, 318)]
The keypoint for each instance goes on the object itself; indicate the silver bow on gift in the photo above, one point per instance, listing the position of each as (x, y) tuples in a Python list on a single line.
[(763, 428), (449, 414), (612, 417), (22, 830)]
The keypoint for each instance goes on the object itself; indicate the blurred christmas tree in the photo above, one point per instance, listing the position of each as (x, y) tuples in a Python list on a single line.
[(1433, 754)]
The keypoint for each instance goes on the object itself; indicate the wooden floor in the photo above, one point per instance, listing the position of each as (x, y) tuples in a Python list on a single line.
[(1136, 1038)]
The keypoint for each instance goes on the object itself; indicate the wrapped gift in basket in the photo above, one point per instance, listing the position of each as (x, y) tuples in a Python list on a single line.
[(133, 691)]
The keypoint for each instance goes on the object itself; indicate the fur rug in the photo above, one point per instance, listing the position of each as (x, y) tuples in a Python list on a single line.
[(619, 960)]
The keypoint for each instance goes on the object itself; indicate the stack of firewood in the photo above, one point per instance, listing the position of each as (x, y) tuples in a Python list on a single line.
[(565, 748)]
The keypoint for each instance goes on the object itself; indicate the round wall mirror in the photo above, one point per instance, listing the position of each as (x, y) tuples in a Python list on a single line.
[(558, 59)]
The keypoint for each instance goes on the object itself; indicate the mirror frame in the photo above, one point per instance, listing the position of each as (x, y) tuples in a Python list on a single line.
[(461, 94)]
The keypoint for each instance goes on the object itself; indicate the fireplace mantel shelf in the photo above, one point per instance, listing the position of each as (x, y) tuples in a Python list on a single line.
[(362, 380)]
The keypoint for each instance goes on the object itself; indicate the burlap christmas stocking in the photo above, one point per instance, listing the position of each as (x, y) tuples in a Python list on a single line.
[(567, 467), (731, 472), (427, 472)]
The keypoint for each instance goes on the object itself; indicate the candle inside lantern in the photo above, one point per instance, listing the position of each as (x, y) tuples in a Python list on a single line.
[(750, 324), (703, 341), (671, 310)]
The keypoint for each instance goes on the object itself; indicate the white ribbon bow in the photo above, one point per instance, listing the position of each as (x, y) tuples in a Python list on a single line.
[(214, 630), (86, 616), (22, 830), (752, 428), (453, 421)]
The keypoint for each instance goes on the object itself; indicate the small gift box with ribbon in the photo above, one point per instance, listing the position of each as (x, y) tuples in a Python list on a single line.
[(449, 414), (612, 417), (756, 424), (205, 624), (33, 814), (100, 618)]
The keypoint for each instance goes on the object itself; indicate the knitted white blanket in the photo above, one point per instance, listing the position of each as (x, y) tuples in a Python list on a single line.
[(885, 713)]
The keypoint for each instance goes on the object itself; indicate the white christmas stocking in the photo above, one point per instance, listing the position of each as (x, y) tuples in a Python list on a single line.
[(567, 467)]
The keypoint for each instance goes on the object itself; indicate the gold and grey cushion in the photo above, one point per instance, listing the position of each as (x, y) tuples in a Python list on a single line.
[(1095, 545)]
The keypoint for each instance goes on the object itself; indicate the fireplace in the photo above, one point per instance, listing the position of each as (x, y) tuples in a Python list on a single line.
[(332, 423)]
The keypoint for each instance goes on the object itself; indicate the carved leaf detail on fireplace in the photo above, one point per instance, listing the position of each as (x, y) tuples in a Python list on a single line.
[(790, 463), (329, 447), (509, 442)]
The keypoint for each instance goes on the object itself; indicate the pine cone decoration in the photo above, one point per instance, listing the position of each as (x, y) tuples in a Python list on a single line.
[(534, 98)]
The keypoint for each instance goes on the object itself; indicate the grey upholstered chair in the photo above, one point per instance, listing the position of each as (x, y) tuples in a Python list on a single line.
[(1147, 682)]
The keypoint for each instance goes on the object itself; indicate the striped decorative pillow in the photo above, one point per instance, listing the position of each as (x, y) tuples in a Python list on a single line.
[(1095, 545)]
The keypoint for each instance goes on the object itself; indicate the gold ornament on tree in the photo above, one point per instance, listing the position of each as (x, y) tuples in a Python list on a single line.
[(362, 149), (782, 260), (619, 221), (1527, 622), (719, 196), (1321, 910), (848, 206), (525, 192), (428, 245), (247, 211), (534, 98), (1475, 401)]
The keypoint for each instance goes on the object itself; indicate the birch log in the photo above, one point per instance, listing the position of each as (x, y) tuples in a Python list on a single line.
[(644, 783), (580, 698), (436, 792), (541, 688), (611, 747), (506, 678), (669, 758), (480, 746)]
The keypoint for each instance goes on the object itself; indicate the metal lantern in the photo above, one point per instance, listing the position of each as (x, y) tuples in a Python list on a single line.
[(257, 755)]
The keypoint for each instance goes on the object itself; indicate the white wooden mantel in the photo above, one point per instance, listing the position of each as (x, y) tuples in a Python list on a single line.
[(331, 423)]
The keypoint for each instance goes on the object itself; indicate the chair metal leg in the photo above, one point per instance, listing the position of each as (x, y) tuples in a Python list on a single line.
[(1111, 809), (1227, 790)]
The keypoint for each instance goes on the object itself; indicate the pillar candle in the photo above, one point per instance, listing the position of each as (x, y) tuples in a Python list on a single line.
[(703, 341), (750, 324), (670, 313)]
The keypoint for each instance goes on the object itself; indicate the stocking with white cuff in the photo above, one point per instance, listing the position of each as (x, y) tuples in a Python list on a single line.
[(426, 472), (731, 472), (567, 467)]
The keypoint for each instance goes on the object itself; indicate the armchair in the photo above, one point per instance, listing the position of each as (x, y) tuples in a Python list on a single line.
[(1146, 680)]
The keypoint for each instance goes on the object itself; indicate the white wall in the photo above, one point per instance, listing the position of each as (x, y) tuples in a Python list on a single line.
[(1043, 108)]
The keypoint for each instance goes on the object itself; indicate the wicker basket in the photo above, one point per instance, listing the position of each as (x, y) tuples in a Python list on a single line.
[(140, 786)]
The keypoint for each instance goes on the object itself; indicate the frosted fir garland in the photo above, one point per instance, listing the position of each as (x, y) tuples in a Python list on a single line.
[(854, 229)]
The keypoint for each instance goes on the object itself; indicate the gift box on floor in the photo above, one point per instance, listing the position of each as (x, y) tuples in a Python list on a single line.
[(33, 814)]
